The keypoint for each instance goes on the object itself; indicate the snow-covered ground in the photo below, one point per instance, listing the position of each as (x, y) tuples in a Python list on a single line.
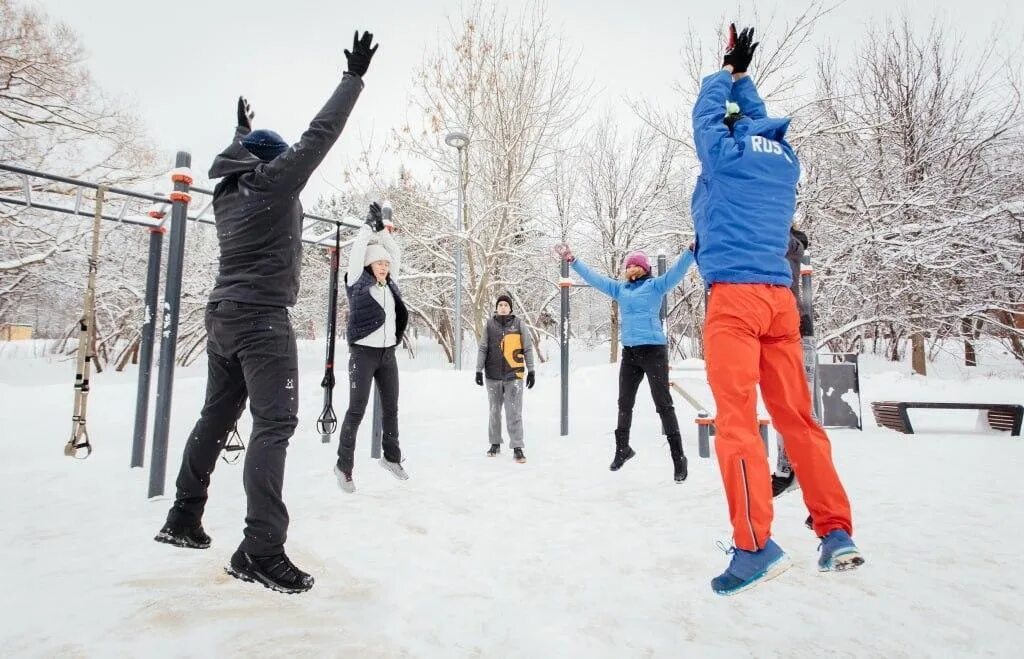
[(477, 557)]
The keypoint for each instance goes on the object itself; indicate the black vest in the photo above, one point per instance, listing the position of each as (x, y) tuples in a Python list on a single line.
[(365, 314)]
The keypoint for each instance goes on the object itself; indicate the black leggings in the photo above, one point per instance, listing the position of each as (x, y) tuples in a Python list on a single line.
[(366, 365), (652, 361)]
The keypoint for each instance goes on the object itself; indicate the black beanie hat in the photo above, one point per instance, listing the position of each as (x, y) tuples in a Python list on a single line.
[(503, 298)]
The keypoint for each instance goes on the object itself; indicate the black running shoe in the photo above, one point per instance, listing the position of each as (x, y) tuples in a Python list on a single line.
[(494, 450), (518, 455), (182, 536), (274, 572)]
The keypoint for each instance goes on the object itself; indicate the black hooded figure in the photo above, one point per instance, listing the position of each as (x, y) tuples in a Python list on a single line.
[(251, 347)]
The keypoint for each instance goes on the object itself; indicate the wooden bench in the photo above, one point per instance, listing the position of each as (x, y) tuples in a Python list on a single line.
[(1000, 416)]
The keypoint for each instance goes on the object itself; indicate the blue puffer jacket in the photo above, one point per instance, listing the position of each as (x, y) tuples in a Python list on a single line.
[(639, 301), (744, 200)]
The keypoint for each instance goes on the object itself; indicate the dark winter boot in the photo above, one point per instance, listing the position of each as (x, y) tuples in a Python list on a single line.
[(274, 572), (675, 447), (622, 450), (182, 536), (781, 484), (679, 464), (518, 455), (495, 450)]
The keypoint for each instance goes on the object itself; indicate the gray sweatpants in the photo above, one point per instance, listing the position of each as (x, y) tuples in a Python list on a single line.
[(783, 468), (507, 393)]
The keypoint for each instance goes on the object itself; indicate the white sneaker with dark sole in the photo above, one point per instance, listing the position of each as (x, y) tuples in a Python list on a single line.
[(395, 468), (344, 480)]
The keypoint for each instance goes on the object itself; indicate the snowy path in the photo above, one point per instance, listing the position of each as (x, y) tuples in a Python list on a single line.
[(478, 557)]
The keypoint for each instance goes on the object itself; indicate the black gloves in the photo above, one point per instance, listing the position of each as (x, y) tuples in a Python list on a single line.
[(245, 113), (480, 378), (530, 380), (374, 219), (739, 50), (359, 58)]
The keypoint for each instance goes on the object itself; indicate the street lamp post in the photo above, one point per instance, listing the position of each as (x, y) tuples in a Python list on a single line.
[(459, 140)]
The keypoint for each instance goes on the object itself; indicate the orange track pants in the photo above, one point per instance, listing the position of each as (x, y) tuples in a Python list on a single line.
[(752, 335)]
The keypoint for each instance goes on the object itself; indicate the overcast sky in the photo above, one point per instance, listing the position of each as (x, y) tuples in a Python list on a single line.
[(184, 63)]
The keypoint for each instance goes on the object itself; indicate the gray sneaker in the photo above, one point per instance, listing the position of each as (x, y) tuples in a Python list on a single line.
[(344, 480), (395, 468)]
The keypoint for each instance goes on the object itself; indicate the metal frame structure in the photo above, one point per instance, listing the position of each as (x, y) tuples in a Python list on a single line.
[(179, 200)]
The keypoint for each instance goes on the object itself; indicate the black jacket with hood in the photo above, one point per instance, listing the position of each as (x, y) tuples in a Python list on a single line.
[(798, 243), (257, 210)]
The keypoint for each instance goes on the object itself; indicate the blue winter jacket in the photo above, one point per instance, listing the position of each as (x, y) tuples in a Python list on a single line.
[(744, 200), (639, 301)]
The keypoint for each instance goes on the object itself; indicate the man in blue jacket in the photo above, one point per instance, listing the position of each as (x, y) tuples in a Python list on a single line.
[(743, 206), (644, 346)]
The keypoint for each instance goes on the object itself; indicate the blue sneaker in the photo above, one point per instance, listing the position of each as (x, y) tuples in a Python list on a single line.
[(749, 568), (838, 552)]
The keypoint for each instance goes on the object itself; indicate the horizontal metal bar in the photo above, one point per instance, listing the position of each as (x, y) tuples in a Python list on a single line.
[(80, 213), (85, 184)]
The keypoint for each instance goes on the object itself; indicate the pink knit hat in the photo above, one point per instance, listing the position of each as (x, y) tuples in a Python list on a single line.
[(640, 259)]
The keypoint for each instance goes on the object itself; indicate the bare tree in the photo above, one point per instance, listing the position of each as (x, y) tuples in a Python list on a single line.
[(510, 83), (916, 204)]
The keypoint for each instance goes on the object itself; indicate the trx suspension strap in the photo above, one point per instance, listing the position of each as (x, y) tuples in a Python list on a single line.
[(328, 421), (86, 345), (233, 447)]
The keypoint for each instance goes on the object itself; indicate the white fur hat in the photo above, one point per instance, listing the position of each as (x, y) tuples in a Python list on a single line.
[(376, 252)]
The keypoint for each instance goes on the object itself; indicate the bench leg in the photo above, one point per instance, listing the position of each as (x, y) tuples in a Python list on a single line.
[(909, 429)]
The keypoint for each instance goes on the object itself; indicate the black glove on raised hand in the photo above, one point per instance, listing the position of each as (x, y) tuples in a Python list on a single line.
[(245, 113), (739, 49), (530, 380), (374, 219), (480, 378), (361, 54)]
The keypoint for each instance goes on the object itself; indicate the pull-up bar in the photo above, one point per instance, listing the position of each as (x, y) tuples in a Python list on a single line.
[(178, 200)]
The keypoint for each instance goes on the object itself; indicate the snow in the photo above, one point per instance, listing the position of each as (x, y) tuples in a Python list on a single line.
[(478, 557)]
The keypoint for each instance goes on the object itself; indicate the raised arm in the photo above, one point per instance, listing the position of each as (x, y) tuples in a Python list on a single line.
[(293, 168), (391, 245), (709, 129), (356, 254), (744, 94), (675, 274), (606, 285)]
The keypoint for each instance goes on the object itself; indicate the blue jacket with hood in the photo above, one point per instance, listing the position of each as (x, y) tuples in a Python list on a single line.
[(745, 198), (639, 300)]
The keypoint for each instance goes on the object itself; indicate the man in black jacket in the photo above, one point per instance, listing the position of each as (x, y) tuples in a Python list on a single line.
[(250, 343)]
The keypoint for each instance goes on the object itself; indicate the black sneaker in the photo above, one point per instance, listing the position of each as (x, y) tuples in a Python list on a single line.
[(809, 522), (680, 469), (182, 536), (782, 483), (518, 455), (495, 450), (621, 455), (274, 572)]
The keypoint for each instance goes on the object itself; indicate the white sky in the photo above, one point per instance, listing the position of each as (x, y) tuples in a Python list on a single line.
[(183, 64)]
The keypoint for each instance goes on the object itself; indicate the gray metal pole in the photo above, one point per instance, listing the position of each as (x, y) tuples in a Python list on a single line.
[(807, 292), (563, 339), (378, 425), (169, 333), (156, 241), (458, 270), (664, 301)]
